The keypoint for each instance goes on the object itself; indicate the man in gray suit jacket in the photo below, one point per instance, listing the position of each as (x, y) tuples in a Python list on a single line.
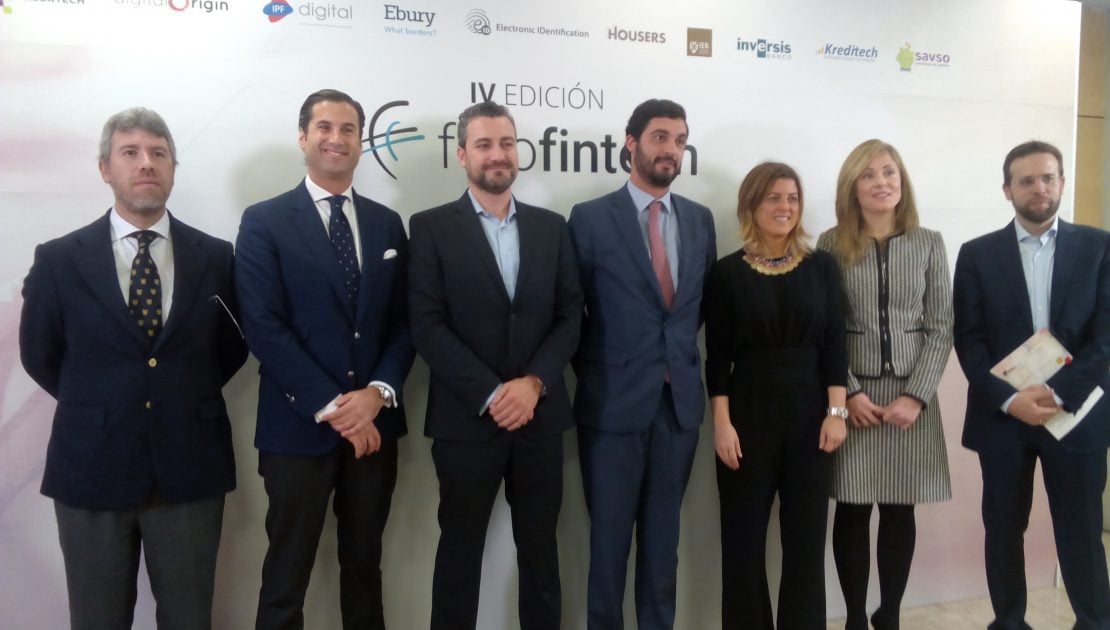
[(643, 254)]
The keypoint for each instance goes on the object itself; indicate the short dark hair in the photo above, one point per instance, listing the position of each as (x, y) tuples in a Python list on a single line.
[(485, 109), (1030, 148), (653, 108), (333, 96)]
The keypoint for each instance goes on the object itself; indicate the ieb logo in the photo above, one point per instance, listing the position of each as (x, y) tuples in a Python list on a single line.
[(477, 22), (387, 138), (277, 9), (699, 42)]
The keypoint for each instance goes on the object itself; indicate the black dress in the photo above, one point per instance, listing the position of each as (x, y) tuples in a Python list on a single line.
[(774, 344)]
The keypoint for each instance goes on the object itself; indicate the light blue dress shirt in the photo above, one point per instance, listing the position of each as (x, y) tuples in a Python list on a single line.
[(668, 225), (504, 240)]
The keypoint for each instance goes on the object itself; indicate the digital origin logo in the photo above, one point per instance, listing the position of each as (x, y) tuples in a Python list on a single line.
[(388, 139), (477, 22)]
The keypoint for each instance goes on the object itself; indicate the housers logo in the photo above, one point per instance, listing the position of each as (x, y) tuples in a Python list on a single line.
[(907, 58), (387, 139), (849, 52), (422, 21), (477, 22), (764, 49), (646, 37), (699, 42)]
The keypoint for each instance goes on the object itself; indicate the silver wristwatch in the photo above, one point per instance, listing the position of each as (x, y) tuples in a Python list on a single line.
[(839, 412), (387, 397)]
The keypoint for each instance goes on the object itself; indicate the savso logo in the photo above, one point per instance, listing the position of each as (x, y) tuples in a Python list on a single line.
[(387, 140)]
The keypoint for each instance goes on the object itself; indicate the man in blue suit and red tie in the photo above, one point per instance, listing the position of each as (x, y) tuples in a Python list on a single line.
[(128, 322), (322, 275), (643, 253), (1038, 272)]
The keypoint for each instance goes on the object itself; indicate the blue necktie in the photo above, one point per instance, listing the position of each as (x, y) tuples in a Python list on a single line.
[(343, 242), (144, 297)]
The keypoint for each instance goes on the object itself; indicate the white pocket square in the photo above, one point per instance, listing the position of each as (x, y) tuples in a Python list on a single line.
[(389, 253)]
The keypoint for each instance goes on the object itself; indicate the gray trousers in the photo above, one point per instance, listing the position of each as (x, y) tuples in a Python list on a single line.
[(101, 551)]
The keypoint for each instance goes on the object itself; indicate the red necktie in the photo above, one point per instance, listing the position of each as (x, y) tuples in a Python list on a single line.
[(659, 262)]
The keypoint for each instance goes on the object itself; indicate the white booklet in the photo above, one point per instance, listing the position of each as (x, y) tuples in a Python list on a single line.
[(1033, 363)]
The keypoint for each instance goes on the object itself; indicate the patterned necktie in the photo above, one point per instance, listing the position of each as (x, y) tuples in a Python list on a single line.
[(145, 295), (343, 242), (659, 262)]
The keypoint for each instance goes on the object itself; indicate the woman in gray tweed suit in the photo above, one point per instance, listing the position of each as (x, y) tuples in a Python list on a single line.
[(899, 336)]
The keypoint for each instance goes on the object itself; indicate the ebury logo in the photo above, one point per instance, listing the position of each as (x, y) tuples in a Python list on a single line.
[(699, 42), (277, 10), (396, 13), (848, 52), (387, 139), (908, 57), (477, 22), (764, 49)]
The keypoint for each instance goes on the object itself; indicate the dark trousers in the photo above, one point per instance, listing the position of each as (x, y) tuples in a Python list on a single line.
[(299, 489), (470, 474), (799, 473), (635, 480), (894, 553), (1074, 483), (101, 551)]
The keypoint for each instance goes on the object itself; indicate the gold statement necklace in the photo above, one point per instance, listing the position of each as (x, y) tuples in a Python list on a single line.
[(773, 266)]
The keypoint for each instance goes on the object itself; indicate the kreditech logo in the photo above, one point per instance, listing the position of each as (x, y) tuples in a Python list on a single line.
[(645, 37)]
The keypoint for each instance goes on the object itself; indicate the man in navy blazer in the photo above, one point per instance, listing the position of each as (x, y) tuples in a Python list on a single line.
[(321, 272), (496, 309), (643, 254), (140, 451), (1038, 272)]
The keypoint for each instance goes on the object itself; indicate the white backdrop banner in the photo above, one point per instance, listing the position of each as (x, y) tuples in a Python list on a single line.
[(954, 84)]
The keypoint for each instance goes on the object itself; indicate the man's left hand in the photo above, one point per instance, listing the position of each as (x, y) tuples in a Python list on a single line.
[(515, 402), (354, 411)]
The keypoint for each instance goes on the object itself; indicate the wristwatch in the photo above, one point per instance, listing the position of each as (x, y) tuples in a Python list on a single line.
[(384, 392), (839, 412)]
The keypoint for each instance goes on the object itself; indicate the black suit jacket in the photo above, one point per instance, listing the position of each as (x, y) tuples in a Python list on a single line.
[(469, 332), (132, 418), (993, 317)]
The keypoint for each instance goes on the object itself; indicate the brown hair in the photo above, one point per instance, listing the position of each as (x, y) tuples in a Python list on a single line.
[(754, 189)]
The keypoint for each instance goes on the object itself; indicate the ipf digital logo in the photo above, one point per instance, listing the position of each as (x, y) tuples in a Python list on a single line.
[(277, 10), (388, 139)]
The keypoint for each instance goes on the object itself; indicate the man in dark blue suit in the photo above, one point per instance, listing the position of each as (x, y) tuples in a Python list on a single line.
[(128, 322), (1038, 272), (643, 253), (321, 271), (496, 310)]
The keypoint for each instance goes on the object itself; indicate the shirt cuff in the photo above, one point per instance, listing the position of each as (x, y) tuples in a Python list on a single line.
[(331, 406), (489, 400), (392, 402), (1006, 405)]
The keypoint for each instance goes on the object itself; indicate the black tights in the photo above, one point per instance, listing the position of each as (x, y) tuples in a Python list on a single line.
[(852, 552)]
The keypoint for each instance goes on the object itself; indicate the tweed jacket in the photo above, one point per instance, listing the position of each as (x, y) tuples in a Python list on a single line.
[(918, 309)]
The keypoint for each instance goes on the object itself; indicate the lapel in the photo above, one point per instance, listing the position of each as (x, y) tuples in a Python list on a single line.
[(1062, 269), (96, 264), (687, 237), (311, 229), (372, 241), (189, 260), (531, 240), (470, 226), (624, 215), (1012, 275)]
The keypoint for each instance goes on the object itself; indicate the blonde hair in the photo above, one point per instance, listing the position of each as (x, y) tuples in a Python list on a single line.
[(849, 239), (754, 189)]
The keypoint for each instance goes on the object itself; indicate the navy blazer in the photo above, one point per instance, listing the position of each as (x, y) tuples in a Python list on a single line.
[(310, 344), (474, 337), (132, 418), (993, 317), (628, 338)]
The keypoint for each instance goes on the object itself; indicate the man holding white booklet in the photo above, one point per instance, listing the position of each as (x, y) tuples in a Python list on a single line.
[(1038, 273)]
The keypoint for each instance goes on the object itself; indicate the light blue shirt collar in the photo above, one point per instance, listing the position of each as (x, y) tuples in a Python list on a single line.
[(1022, 233), (641, 199)]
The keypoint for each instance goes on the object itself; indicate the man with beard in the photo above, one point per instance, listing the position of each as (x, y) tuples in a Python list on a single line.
[(128, 322), (1010, 284), (322, 272), (495, 309), (643, 253)]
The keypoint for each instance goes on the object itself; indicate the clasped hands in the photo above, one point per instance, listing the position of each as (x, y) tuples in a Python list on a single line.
[(1034, 405), (354, 416), (902, 413), (515, 402)]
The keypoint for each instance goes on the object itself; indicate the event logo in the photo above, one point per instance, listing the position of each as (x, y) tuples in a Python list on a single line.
[(277, 10), (387, 140), (764, 49), (907, 58), (477, 22), (645, 37), (849, 52), (207, 6), (699, 42)]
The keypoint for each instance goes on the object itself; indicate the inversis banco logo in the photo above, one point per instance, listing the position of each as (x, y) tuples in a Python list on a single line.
[(699, 42)]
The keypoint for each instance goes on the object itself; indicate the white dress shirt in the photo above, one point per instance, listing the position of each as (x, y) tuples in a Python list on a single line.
[(125, 246)]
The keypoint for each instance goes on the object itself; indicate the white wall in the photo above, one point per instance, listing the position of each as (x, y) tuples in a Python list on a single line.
[(230, 81)]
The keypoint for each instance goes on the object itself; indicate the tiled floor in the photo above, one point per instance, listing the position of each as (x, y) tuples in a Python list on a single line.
[(1048, 610)]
